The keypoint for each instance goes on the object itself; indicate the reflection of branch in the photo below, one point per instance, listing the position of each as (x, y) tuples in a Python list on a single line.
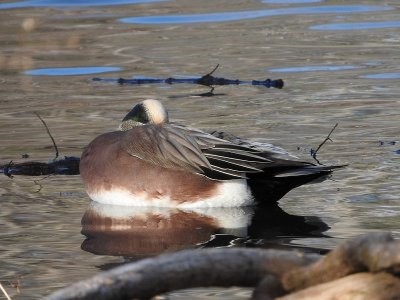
[(48, 132), (37, 182), (328, 138), (208, 94)]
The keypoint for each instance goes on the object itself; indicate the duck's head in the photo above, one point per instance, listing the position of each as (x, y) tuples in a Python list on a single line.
[(149, 111)]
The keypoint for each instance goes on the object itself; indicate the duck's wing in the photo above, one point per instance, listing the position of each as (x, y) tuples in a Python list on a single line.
[(282, 164), (265, 148), (183, 148)]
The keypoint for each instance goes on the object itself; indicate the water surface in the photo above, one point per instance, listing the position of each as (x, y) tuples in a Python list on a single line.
[(331, 76), (357, 26)]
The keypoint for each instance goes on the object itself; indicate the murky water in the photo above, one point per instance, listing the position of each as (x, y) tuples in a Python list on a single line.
[(340, 63)]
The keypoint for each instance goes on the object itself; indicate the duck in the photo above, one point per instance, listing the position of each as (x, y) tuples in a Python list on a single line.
[(150, 161)]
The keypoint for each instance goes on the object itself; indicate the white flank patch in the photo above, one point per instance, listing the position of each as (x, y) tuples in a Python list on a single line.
[(125, 198), (231, 193)]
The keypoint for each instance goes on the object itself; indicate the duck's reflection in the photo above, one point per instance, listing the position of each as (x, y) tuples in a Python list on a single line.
[(139, 232)]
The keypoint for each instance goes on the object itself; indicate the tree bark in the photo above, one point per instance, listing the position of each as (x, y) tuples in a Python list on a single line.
[(373, 252), (360, 286)]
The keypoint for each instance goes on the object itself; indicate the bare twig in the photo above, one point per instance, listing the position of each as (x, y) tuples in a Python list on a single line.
[(4, 292), (328, 138), (48, 132), (215, 68), (7, 170)]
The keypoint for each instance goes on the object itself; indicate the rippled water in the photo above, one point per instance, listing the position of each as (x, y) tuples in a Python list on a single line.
[(340, 64)]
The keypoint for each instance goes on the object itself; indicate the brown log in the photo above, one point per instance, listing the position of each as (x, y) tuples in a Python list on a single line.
[(186, 269), (360, 286), (373, 252), (269, 288)]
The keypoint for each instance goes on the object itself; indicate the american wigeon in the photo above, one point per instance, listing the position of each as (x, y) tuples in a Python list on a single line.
[(150, 161)]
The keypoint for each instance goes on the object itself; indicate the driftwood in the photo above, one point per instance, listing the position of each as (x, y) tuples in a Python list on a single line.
[(289, 274), (360, 286), (190, 268), (374, 253), (207, 80)]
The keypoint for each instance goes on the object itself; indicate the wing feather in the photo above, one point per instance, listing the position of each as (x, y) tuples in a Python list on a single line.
[(183, 148)]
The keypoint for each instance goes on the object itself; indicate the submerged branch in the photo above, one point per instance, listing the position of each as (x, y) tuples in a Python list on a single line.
[(207, 80), (69, 165)]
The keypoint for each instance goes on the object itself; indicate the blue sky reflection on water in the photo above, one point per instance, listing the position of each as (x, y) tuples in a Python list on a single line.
[(252, 14), (357, 26), (290, 1), (71, 71), (382, 76), (71, 3), (313, 69)]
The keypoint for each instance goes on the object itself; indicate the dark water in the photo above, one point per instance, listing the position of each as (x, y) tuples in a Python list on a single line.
[(340, 64)]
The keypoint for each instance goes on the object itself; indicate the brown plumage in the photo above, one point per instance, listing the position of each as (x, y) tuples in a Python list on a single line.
[(154, 162)]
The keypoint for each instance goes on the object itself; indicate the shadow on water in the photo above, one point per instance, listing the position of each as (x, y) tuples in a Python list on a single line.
[(138, 232)]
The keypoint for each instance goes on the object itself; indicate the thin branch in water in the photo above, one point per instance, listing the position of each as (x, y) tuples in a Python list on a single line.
[(328, 138), (7, 170), (48, 132), (215, 68), (4, 292)]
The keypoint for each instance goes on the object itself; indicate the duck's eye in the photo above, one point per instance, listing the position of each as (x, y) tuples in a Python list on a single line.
[(138, 114)]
